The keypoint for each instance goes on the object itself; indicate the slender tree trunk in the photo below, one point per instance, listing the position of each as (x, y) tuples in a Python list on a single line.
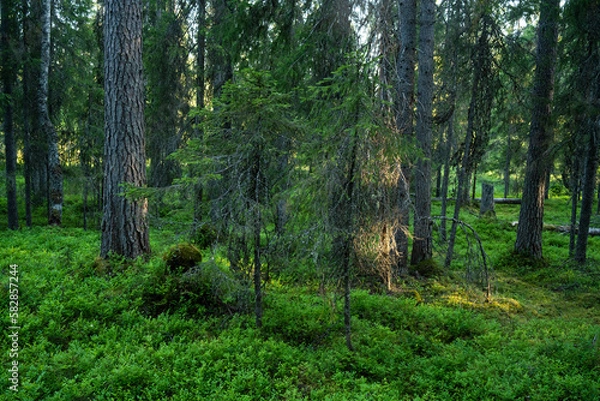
[(459, 190), (343, 218), (200, 84), (474, 184), (477, 124), (124, 225), (452, 34), (55, 180), (35, 144), (587, 194), (405, 101), (8, 32), (445, 181), (438, 180), (598, 207), (462, 190), (507, 160), (422, 245), (529, 230), (166, 95), (221, 70), (574, 202), (27, 78), (257, 226)]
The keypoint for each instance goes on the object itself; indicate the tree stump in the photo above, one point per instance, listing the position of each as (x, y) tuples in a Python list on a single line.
[(487, 200)]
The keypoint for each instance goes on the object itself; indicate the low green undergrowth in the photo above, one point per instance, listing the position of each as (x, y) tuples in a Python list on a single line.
[(121, 330)]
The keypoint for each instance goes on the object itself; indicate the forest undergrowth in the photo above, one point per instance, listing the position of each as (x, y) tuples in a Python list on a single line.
[(116, 330)]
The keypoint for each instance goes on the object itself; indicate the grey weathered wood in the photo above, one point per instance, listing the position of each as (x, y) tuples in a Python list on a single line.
[(592, 231), (487, 199)]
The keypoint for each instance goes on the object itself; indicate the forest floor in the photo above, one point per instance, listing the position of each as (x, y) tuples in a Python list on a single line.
[(90, 330)]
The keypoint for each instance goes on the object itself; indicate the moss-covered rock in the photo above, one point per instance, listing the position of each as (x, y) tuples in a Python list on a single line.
[(181, 257)]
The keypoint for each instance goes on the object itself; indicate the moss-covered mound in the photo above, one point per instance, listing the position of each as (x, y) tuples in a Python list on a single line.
[(181, 257)]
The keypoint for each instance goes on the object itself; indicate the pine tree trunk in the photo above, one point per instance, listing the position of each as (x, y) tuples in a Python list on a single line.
[(55, 180), (422, 245), (8, 31), (529, 232), (124, 225), (405, 100)]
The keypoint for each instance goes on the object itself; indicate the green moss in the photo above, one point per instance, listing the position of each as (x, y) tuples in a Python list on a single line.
[(181, 257)]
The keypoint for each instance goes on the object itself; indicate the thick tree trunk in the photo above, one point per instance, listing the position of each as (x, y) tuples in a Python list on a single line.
[(124, 225), (405, 101), (55, 181), (422, 242), (529, 232), (8, 32)]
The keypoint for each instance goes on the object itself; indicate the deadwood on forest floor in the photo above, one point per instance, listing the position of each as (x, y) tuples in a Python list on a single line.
[(499, 201), (593, 231)]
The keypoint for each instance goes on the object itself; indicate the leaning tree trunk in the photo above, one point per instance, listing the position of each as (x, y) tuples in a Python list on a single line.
[(478, 117), (422, 246), (8, 31), (124, 225), (55, 183), (531, 216)]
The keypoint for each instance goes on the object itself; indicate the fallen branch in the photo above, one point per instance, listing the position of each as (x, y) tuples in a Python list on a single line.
[(593, 231), (499, 201), (507, 201)]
